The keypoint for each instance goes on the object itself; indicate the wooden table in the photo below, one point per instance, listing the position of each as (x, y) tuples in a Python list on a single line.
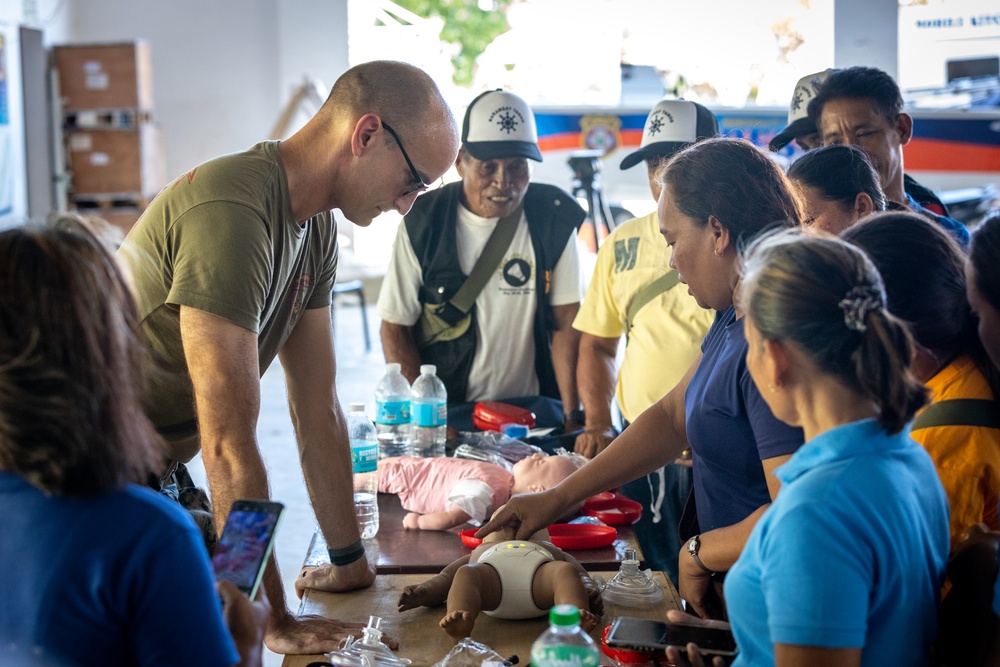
[(425, 643), (400, 551)]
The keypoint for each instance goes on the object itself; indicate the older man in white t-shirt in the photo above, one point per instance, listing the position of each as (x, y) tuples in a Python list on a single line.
[(516, 338)]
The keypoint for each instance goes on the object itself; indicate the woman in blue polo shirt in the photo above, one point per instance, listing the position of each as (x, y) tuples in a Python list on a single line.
[(718, 195), (846, 566)]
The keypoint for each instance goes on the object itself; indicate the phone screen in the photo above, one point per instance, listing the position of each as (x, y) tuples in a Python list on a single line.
[(711, 641), (246, 543), (643, 634), (640, 634)]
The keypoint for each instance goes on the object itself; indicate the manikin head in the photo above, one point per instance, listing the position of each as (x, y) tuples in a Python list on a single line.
[(539, 472)]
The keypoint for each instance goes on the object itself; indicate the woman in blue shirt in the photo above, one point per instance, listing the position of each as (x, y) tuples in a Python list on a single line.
[(95, 568), (717, 196), (846, 566)]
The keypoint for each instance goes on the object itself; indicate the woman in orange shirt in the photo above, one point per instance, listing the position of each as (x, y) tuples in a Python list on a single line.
[(924, 274)]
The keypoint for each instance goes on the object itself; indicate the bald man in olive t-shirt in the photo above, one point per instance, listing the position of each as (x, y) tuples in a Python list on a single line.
[(224, 242), (234, 264)]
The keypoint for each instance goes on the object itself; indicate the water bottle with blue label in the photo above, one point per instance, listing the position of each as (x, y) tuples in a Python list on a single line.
[(429, 412), (392, 413), (364, 461)]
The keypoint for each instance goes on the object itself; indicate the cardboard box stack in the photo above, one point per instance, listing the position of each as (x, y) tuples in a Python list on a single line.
[(113, 149)]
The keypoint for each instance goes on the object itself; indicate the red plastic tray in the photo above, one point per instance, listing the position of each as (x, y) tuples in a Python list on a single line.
[(469, 538), (617, 511), (491, 415), (567, 536)]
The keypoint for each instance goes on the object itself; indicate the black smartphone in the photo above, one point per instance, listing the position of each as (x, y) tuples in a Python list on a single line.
[(246, 542), (643, 634)]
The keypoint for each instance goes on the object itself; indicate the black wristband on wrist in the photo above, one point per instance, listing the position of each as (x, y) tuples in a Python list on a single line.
[(576, 416), (347, 555)]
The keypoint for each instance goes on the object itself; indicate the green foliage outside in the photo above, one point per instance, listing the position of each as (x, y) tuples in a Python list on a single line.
[(467, 27)]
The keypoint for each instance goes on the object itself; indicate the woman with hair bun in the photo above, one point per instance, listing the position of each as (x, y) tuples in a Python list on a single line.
[(839, 187), (846, 566), (924, 274)]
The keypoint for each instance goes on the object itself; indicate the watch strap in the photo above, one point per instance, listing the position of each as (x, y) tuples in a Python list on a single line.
[(692, 547)]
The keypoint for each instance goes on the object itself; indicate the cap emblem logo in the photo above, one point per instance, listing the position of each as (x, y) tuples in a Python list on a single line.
[(508, 120), (656, 123), (797, 98)]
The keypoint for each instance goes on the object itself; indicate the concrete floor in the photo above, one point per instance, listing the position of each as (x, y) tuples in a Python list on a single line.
[(357, 373)]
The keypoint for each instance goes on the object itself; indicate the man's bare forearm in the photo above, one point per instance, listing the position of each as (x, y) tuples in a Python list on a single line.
[(565, 351), (595, 377), (222, 363), (325, 453), (399, 344), (320, 427)]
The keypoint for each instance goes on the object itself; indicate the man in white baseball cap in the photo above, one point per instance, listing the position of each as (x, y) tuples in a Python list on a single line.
[(634, 292), (511, 334), (800, 128)]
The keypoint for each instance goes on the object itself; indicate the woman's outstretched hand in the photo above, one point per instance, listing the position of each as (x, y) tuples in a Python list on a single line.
[(525, 515)]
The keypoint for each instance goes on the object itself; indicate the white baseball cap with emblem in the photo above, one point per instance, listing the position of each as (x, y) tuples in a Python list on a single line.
[(671, 126), (799, 124), (499, 124)]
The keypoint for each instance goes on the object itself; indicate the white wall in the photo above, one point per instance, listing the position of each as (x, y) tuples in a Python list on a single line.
[(865, 34), (13, 193), (222, 70), (313, 38), (215, 75)]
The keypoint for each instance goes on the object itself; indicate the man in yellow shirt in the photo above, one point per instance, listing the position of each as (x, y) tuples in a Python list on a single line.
[(634, 292)]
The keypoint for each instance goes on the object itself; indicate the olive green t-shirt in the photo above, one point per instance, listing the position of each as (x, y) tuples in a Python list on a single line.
[(222, 239)]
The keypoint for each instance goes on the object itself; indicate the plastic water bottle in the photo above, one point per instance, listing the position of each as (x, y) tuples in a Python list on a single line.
[(364, 459), (564, 644), (392, 414), (429, 407)]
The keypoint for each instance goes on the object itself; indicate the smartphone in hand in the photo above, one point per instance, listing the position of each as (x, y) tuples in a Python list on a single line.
[(643, 634), (246, 542)]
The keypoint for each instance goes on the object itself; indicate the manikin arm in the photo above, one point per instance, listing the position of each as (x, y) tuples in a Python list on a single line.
[(432, 592)]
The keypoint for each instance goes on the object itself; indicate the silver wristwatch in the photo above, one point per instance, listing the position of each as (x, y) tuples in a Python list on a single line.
[(692, 546)]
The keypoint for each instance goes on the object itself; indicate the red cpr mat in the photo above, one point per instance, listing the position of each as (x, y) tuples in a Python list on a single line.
[(566, 536), (614, 511)]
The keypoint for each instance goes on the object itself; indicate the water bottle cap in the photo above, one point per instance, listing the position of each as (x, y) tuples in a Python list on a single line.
[(393, 367), (564, 614), (428, 369), (514, 430), (355, 408)]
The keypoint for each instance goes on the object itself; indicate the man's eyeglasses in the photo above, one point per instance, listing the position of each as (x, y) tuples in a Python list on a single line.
[(421, 186)]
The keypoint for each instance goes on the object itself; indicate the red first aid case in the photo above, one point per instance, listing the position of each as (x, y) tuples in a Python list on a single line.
[(491, 415)]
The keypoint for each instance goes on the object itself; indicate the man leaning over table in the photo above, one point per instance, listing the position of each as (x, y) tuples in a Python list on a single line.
[(234, 263)]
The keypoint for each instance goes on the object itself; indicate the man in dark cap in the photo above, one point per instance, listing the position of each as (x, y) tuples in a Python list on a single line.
[(863, 107), (511, 335), (801, 130)]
